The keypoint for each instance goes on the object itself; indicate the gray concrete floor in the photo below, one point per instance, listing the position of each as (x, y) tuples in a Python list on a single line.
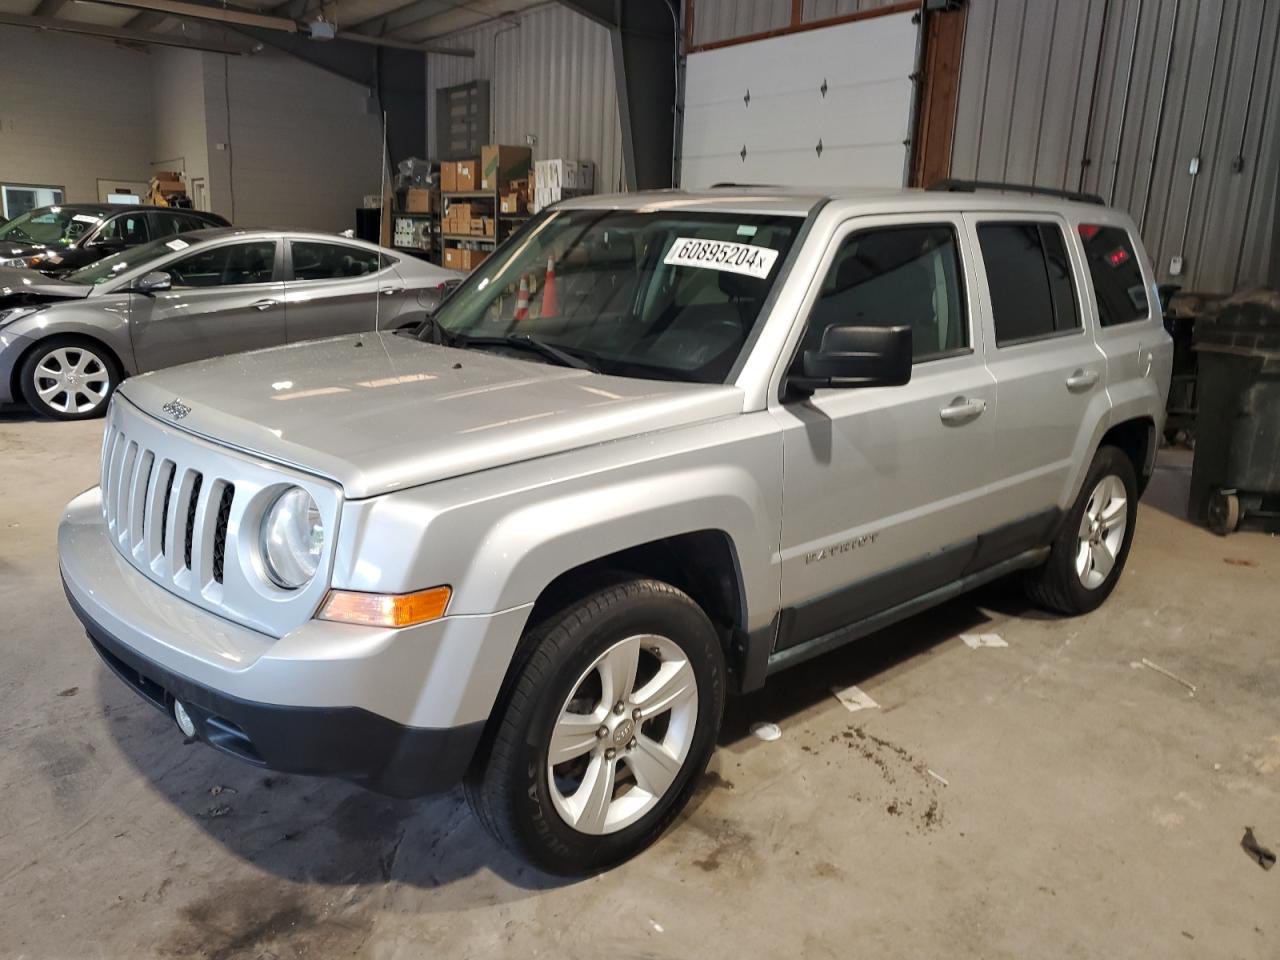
[(1093, 808)]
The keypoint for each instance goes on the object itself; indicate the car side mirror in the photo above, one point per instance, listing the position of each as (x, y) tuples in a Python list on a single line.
[(153, 282), (856, 357)]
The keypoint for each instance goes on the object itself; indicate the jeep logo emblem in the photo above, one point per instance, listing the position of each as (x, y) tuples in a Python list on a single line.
[(622, 732), (176, 409)]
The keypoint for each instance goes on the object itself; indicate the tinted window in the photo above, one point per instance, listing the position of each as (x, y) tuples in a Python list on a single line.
[(327, 261), (1116, 274), (237, 263), (130, 227), (1030, 279), (894, 277)]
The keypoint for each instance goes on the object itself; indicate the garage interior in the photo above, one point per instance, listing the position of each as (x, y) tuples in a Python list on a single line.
[(1080, 791)]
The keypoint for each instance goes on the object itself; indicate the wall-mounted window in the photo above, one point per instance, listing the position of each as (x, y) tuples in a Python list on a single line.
[(18, 198)]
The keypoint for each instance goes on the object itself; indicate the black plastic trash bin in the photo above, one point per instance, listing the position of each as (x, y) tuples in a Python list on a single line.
[(1236, 472)]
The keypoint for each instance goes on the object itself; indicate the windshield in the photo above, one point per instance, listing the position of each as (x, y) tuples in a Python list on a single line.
[(52, 225), (108, 268), (671, 295)]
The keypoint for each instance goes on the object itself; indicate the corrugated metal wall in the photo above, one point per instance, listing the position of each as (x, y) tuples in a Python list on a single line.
[(1174, 80), (551, 75), (715, 20)]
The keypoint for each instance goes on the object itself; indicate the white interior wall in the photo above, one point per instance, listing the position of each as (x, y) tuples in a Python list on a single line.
[(74, 110), (178, 112), (301, 146)]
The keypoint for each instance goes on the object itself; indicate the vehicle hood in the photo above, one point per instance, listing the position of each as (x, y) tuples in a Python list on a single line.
[(381, 412), (19, 286)]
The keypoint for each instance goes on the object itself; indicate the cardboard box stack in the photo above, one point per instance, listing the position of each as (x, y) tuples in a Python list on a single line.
[(500, 164), (554, 180), (165, 185)]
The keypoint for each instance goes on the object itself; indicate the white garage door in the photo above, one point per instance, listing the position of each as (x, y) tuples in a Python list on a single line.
[(830, 106)]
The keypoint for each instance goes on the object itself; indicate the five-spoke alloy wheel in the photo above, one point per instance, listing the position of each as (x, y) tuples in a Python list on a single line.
[(1102, 530), (609, 715)]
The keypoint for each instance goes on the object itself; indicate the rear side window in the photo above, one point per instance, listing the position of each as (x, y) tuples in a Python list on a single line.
[(331, 261), (1029, 274), (897, 276), (1116, 274)]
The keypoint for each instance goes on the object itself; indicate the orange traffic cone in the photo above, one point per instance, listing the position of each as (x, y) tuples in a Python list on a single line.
[(522, 300), (550, 302)]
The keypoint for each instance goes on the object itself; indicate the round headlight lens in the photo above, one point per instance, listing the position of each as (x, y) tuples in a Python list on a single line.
[(292, 539)]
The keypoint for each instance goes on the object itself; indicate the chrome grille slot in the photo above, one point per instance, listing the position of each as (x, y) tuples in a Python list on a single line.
[(176, 507), (220, 530), (193, 502)]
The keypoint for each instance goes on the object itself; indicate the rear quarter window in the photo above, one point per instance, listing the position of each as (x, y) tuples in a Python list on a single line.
[(1118, 286)]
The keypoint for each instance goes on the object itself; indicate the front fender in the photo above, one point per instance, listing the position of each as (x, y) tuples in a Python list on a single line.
[(106, 321), (501, 536)]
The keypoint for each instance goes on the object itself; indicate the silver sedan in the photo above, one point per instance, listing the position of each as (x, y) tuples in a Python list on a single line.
[(66, 344)]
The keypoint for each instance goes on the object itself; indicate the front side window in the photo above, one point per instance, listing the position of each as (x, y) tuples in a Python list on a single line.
[(130, 229), (133, 258), (1029, 274), (1116, 274), (313, 260), (896, 276), (661, 294), (230, 265)]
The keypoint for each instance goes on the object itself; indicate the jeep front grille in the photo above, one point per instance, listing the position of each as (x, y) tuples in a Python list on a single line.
[(173, 505)]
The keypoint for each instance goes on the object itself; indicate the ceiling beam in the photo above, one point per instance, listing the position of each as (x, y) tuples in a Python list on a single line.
[(121, 33)]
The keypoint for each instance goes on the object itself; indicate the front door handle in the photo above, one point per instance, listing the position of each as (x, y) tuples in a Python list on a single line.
[(389, 291), (962, 410), (1082, 379), (264, 304)]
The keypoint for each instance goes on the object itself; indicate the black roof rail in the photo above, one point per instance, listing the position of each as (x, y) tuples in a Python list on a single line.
[(952, 185)]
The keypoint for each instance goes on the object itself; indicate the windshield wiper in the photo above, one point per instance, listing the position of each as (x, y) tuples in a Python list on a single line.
[(522, 341)]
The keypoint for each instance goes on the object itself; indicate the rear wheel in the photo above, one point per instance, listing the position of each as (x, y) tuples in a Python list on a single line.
[(612, 715), (69, 379), (1090, 549)]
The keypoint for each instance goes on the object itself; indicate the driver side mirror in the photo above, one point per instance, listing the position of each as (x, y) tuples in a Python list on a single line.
[(153, 282), (856, 357)]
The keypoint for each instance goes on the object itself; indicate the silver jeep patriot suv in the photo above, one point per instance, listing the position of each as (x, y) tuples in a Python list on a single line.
[(657, 448)]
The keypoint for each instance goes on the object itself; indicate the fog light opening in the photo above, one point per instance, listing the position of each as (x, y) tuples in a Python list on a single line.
[(183, 719)]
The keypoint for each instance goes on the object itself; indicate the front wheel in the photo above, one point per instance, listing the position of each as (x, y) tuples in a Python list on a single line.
[(1093, 543), (612, 715), (68, 379)]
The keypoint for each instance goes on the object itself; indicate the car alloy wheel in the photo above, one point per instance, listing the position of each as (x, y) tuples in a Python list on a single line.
[(622, 735), (72, 380), (1102, 529)]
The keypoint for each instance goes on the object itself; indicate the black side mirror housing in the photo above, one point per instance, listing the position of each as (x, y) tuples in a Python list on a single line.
[(852, 356)]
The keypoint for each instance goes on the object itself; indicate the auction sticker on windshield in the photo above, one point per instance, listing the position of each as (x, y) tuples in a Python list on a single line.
[(724, 255)]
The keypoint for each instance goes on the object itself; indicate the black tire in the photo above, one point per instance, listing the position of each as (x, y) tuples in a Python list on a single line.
[(508, 786), (1223, 513), (102, 376), (1056, 585)]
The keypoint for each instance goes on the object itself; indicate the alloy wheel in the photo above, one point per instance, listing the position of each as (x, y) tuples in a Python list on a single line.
[(623, 734), (72, 380), (1102, 529)]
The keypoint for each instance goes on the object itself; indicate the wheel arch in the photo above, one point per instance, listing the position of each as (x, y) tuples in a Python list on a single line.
[(1136, 439), (15, 376)]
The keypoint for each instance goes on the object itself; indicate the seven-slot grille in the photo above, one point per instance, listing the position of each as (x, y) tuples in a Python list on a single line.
[(167, 516)]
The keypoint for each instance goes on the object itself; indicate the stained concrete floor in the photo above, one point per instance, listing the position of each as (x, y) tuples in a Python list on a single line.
[(1091, 808)]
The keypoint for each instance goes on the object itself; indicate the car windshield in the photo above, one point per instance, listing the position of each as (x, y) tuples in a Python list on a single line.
[(670, 294), (54, 225), (111, 267)]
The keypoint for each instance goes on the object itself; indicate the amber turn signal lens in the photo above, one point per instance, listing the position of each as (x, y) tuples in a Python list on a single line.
[(385, 609)]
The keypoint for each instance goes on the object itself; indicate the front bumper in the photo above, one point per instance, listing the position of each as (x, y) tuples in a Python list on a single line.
[(398, 711), (12, 347)]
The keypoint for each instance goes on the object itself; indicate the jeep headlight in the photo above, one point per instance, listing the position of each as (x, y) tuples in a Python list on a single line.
[(292, 539)]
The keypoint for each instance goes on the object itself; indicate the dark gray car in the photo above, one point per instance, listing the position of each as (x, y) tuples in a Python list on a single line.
[(66, 343)]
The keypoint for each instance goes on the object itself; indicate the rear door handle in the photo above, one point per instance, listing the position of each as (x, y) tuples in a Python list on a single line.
[(962, 410), (1082, 379), (264, 304)]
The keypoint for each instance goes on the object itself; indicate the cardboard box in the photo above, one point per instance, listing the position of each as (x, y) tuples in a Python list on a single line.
[(448, 177), (474, 258), (489, 227), (419, 200), (477, 227), (455, 258), (513, 203), (500, 164), (460, 211), (467, 175)]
